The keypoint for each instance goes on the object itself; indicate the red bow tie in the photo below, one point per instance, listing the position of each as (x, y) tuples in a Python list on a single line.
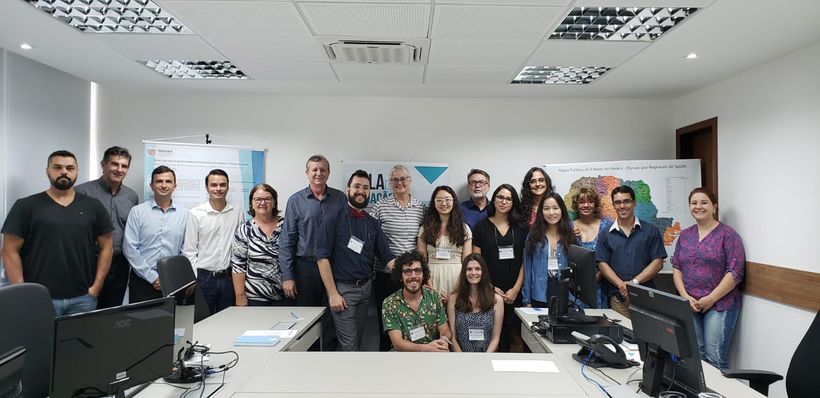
[(359, 215)]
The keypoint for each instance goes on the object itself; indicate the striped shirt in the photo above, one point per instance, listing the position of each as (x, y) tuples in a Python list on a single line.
[(257, 256), (400, 225)]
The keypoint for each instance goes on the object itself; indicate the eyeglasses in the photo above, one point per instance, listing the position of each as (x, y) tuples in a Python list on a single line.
[(360, 186), (411, 271), (478, 183), (402, 180), (625, 202), (260, 200), (539, 180), (500, 198), (441, 201)]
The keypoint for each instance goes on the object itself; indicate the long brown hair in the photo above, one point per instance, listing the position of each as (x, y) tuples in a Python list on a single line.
[(539, 228), (486, 293), (432, 220)]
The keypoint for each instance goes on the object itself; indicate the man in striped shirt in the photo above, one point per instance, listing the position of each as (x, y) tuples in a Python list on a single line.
[(400, 216)]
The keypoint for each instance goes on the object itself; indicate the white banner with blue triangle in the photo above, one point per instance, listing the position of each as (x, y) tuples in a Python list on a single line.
[(425, 177)]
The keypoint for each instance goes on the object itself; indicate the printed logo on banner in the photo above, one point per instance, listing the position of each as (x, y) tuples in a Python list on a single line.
[(152, 152), (431, 173)]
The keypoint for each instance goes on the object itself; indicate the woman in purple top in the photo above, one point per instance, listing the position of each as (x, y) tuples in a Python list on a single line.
[(709, 263)]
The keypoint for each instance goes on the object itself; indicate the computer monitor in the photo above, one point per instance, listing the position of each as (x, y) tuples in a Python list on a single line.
[(185, 303), (107, 351), (11, 373), (582, 270), (668, 345)]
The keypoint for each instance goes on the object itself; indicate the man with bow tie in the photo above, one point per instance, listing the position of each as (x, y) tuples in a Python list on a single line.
[(345, 249)]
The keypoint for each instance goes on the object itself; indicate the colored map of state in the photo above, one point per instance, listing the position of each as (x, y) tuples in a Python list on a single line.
[(644, 208)]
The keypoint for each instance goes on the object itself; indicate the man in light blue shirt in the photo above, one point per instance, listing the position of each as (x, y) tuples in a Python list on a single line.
[(155, 229)]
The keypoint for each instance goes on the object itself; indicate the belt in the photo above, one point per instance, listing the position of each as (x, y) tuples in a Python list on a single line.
[(355, 282), (218, 274)]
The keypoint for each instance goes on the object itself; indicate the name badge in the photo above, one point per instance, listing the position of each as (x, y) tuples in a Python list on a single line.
[(505, 253), (552, 264), (442, 253), (417, 333), (476, 334), (355, 244)]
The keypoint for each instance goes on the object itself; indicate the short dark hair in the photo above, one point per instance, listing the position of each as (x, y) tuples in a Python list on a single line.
[(163, 169), (408, 258), (116, 151), (478, 171), (622, 189), (318, 158), (269, 189), (61, 153), (361, 174), (217, 172)]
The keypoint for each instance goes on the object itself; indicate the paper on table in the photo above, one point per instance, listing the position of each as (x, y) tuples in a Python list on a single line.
[(531, 366), (534, 311), (282, 334)]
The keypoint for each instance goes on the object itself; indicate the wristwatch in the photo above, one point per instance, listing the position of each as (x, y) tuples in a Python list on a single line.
[(635, 281)]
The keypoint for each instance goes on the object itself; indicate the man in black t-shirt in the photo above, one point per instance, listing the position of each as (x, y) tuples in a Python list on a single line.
[(49, 237)]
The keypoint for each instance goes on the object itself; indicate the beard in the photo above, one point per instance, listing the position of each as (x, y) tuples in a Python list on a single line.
[(62, 183), (477, 195), (351, 198)]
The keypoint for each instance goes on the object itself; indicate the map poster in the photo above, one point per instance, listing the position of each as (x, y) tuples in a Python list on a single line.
[(661, 190), (192, 162), (425, 177)]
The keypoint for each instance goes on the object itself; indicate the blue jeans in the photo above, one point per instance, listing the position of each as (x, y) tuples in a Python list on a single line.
[(74, 305), (714, 332)]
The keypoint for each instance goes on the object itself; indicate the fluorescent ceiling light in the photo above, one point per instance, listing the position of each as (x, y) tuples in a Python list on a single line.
[(619, 23), (25, 46), (196, 69), (112, 16), (691, 56), (559, 74)]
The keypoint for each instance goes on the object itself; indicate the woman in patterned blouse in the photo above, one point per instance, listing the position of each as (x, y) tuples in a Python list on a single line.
[(475, 311), (257, 280), (709, 263)]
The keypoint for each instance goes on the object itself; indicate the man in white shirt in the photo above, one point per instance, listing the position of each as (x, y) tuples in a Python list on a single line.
[(208, 238)]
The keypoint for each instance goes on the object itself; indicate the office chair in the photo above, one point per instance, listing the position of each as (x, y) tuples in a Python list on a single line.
[(176, 272), (800, 377), (27, 320)]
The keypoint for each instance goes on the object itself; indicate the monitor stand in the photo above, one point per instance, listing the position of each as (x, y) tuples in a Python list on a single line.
[(559, 305)]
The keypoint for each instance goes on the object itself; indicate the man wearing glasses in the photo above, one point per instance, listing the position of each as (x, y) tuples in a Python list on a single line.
[(475, 209), (414, 317), (400, 217), (630, 251), (346, 245)]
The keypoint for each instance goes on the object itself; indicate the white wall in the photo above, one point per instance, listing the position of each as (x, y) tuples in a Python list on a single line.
[(41, 110), (503, 136), (768, 138)]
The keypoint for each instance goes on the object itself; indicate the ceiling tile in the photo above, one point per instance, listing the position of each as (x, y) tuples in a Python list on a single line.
[(145, 46), (238, 17), (558, 3), (494, 22), (262, 70), (480, 52), (374, 73), (469, 75), (379, 20), (269, 49), (585, 53)]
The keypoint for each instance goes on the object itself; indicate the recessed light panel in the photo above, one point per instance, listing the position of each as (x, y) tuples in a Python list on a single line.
[(196, 69), (619, 23), (559, 74), (112, 16)]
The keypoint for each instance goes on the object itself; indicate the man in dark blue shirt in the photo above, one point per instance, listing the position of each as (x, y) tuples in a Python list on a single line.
[(629, 251), (345, 250), (476, 208)]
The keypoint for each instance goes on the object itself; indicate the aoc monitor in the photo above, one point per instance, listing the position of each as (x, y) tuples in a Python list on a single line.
[(107, 351), (185, 303), (664, 324)]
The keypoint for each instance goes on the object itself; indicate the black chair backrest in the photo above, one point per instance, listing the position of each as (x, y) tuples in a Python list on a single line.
[(176, 272), (800, 378), (27, 320)]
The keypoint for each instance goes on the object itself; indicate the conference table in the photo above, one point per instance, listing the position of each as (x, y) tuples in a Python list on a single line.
[(729, 388), (285, 370)]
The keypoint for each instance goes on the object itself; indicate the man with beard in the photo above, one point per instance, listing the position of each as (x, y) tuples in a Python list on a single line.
[(345, 248), (475, 209), (49, 238), (413, 317), (117, 199)]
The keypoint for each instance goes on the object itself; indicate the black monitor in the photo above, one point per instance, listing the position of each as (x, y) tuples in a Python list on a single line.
[(11, 372), (107, 351), (582, 270), (664, 324), (185, 303)]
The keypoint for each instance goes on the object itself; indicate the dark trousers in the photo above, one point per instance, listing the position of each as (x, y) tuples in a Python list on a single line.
[(217, 290), (140, 290), (384, 287), (311, 292), (113, 291)]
